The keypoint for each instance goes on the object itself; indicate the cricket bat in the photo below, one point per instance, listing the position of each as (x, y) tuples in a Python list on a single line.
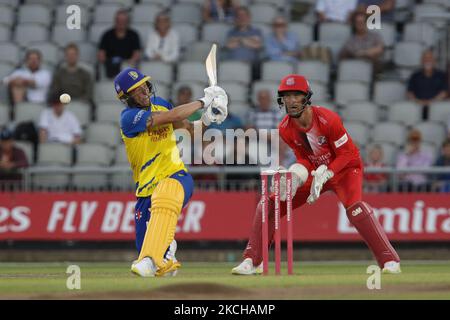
[(211, 69)]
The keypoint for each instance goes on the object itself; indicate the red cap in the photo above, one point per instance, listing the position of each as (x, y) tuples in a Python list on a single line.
[(294, 82)]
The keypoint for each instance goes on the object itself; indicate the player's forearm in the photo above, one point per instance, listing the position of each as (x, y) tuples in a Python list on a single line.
[(177, 114)]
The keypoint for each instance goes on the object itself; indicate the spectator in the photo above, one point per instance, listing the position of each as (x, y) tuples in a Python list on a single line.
[(71, 77), (219, 10), (375, 181), (444, 161), (281, 44), (184, 95), (31, 82), (244, 41), (387, 8), (12, 158), (414, 156), (363, 44), (335, 10), (264, 116), (427, 85), (59, 125), (163, 43), (119, 45)]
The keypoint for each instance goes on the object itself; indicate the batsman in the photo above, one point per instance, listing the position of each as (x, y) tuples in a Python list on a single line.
[(322, 147), (163, 184)]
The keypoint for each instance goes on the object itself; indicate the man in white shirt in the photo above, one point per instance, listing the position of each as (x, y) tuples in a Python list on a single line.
[(335, 10), (163, 42), (31, 82), (59, 125)]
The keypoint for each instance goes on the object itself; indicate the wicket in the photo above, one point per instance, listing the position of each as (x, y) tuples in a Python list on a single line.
[(265, 217)]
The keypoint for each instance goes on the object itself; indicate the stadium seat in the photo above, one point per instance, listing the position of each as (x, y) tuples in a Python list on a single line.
[(187, 32), (89, 4), (334, 35), (63, 36), (355, 70), (88, 52), (143, 30), (432, 132), (192, 71), (96, 31), (9, 53), (197, 51), (314, 70), (109, 112), (262, 13), (4, 115), (27, 111), (82, 111), (237, 71), (61, 14), (350, 91), (104, 133), (236, 91), (5, 70), (433, 149), (47, 3), (387, 33), (197, 89), (163, 3), (430, 12), (272, 86), (389, 152), (440, 111), (420, 32), (265, 28), (408, 54), (5, 33), (320, 91), (275, 70), (105, 13), (388, 91), (324, 104), (120, 156), (27, 33), (52, 153), (50, 52), (304, 31), (6, 15), (145, 13), (123, 3), (186, 13), (391, 132), (443, 3), (34, 13), (161, 90), (123, 181), (28, 148), (104, 91), (239, 109), (363, 111), (358, 131), (93, 154), (215, 32), (405, 112), (158, 70)]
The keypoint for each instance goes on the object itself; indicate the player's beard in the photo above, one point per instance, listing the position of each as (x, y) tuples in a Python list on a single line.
[(297, 114)]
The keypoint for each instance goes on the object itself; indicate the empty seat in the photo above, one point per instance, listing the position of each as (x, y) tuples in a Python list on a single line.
[(408, 54), (238, 71), (440, 111), (215, 32), (349, 91), (389, 91), (63, 36), (47, 3), (9, 53), (50, 52), (192, 71), (82, 112), (358, 131), (27, 111), (236, 91), (262, 13), (276, 70), (104, 91), (4, 115), (27, 33), (6, 15), (158, 70), (105, 13), (5, 70), (432, 132), (406, 112), (186, 13), (93, 154), (5, 33), (391, 132), (187, 32), (320, 91), (334, 35), (387, 33), (54, 154), (145, 13), (355, 70), (272, 86), (85, 3), (161, 90), (363, 111), (97, 30), (313, 70), (420, 32), (239, 109), (34, 13), (163, 3), (104, 133), (197, 51), (88, 52), (430, 12), (123, 3), (324, 104), (304, 31), (109, 112), (61, 14)]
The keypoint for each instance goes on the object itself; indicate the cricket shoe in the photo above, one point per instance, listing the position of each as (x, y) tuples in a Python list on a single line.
[(246, 268), (392, 267), (172, 264), (144, 268)]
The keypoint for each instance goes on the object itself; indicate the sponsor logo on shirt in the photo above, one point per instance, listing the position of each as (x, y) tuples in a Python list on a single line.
[(138, 116), (342, 140), (321, 140)]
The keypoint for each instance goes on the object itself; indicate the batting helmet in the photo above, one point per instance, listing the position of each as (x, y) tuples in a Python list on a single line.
[(294, 82), (128, 80)]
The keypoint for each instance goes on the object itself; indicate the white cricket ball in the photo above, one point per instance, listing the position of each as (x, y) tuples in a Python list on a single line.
[(64, 98)]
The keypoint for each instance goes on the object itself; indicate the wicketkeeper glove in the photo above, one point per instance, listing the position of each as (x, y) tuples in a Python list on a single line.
[(321, 176)]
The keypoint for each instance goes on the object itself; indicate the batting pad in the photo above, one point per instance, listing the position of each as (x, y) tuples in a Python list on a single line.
[(167, 202)]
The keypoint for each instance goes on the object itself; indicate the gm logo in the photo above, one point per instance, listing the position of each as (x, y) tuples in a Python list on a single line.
[(356, 211)]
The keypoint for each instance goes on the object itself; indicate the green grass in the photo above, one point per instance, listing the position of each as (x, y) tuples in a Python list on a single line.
[(214, 281)]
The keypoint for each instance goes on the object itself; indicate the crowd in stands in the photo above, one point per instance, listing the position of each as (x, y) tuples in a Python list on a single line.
[(277, 36)]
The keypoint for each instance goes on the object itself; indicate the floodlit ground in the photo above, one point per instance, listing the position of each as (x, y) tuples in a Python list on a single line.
[(313, 280)]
